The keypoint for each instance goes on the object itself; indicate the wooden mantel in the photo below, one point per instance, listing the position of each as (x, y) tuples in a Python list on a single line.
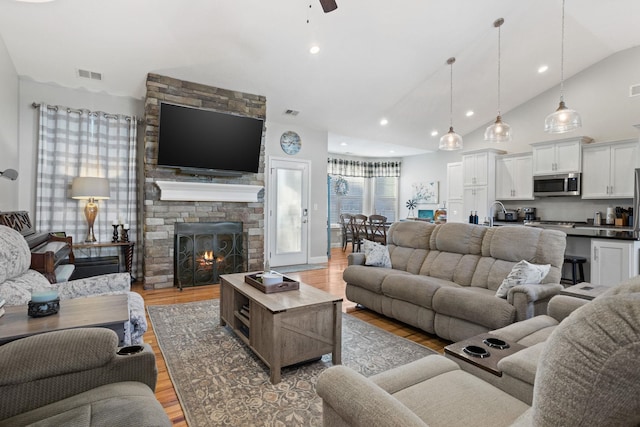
[(208, 191)]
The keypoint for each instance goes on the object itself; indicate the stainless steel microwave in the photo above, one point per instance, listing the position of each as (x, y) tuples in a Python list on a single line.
[(567, 184)]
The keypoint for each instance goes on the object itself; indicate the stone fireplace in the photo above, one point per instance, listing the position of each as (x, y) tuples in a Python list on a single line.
[(169, 198)]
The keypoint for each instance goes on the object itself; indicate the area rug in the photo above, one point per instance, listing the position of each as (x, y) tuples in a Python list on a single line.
[(298, 267), (220, 382)]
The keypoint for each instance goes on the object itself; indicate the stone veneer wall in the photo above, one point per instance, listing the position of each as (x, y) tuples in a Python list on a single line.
[(161, 215)]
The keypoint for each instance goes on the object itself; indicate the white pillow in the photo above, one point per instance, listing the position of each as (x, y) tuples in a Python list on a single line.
[(376, 254), (523, 273)]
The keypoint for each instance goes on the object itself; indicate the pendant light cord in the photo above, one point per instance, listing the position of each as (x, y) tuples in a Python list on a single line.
[(450, 61), (499, 58), (562, 57)]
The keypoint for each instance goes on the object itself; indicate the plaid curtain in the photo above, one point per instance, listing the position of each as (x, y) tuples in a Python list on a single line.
[(363, 169), (77, 143)]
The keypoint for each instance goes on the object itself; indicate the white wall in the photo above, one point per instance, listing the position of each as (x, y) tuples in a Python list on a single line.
[(9, 190), (313, 148), (600, 94), (31, 92)]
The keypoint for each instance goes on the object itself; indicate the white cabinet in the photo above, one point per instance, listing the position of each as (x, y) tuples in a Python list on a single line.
[(613, 261), (476, 199), (478, 180), (514, 177), (455, 193), (608, 169), (561, 156)]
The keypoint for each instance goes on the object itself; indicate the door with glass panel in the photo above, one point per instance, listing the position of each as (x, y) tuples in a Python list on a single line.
[(288, 215)]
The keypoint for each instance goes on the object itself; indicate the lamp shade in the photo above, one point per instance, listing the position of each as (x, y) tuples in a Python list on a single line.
[(562, 120), (450, 141), (85, 187)]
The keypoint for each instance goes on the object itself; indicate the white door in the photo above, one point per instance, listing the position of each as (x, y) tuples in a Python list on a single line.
[(288, 215)]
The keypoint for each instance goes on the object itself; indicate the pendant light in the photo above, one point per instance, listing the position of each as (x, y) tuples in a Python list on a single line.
[(499, 131), (450, 141), (563, 119)]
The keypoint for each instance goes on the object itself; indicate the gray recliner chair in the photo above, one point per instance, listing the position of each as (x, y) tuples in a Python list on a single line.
[(587, 374), (75, 377)]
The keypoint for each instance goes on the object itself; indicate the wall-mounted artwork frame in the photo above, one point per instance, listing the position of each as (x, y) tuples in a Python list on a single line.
[(425, 192)]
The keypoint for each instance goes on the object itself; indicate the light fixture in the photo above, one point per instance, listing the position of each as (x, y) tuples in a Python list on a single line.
[(93, 189), (543, 69), (563, 119), (451, 140), (314, 49), (469, 113), (434, 133), (499, 131), (384, 122), (11, 174)]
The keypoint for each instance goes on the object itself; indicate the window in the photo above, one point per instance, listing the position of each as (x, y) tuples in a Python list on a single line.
[(377, 195), (385, 196)]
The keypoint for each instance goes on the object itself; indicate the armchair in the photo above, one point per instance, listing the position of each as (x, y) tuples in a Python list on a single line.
[(17, 282), (76, 377), (586, 375)]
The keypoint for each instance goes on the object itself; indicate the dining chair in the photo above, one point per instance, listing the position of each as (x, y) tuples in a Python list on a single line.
[(358, 230), (378, 229), (345, 227)]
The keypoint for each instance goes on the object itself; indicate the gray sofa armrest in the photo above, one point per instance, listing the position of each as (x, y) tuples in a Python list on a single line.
[(356, 258), (114, 283), (530, 300), (45, 368), (561, 306), (350, 399)]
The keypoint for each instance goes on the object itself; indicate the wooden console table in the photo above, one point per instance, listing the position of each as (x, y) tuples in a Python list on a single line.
[(282, 328), (125, 252), (108, 311)]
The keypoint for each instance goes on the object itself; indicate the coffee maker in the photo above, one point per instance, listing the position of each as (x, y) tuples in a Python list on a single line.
[(529, 214)]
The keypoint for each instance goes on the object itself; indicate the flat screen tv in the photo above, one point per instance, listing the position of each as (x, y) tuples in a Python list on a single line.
[(204, 141)]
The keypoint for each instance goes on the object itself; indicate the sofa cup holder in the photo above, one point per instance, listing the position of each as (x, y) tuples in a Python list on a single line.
[(129, 350), (475, 351), (496, 343)]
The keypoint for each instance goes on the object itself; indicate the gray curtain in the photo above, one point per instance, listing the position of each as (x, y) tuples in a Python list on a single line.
[(74, 143), (363, 169)]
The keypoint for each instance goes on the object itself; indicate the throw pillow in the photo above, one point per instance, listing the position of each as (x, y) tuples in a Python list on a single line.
[(522, 273), (376, 255)]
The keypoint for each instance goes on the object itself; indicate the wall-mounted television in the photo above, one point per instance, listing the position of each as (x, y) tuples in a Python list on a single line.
[(202, 141)]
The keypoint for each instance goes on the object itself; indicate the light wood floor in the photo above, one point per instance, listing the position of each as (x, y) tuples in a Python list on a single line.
[(328, 279)]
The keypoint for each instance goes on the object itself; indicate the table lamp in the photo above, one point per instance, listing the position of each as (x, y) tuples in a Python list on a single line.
[(91, 188)]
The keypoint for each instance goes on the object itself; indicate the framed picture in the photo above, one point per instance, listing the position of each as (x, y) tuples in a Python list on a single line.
[(426, 214), (426, 192)]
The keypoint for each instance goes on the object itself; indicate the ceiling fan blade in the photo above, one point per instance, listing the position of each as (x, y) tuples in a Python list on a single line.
[(328, 5)]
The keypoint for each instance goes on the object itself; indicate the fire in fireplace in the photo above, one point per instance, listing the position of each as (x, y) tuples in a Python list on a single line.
[(205, 250)]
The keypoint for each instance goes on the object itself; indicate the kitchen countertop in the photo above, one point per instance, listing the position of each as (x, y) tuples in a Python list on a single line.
[(585, 230)]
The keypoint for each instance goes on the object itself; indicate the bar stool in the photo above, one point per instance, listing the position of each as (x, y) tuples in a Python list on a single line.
[(576, 267)]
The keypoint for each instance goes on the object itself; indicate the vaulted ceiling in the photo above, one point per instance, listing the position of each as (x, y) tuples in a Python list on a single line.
[(377, 58)]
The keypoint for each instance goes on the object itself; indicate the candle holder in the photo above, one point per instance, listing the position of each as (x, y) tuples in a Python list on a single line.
[(114, 239), (125, 234), (44, 308)]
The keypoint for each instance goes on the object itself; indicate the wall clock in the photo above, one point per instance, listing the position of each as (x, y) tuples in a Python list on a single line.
[(290, 142)]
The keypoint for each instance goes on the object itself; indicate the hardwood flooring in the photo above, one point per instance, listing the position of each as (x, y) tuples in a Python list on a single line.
[(328, 279)]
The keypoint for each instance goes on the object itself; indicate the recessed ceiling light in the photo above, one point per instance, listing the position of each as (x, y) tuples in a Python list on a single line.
[(469, 113), (344, 144), (314, 49), (543, 69), (392, 151), (384, 122), (434, 133)]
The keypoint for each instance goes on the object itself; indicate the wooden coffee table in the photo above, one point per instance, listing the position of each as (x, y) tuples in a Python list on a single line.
[(282, 328), (108, 311)]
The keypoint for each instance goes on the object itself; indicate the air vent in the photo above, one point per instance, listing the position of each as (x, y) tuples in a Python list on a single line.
[(634, 90), (291, 113), (86, 74)]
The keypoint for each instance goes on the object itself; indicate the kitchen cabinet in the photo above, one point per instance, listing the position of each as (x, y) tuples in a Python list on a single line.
[(613, 261), (455, 193), (608, 169), (562, 156), (478, 180), (514, 177)]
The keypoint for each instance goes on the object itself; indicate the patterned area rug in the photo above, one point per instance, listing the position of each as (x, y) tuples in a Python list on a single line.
[(221, 383)]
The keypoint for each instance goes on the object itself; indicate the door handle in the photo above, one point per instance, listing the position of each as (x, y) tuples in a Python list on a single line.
[(305, 212)]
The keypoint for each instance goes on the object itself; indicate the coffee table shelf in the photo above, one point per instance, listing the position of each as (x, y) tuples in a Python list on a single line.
[(283, 328)]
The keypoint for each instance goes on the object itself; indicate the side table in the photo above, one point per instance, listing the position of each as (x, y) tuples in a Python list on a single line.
[(585, 290), (125, 252)]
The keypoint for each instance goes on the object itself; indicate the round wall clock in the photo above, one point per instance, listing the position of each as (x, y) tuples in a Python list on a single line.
[(290, 142)]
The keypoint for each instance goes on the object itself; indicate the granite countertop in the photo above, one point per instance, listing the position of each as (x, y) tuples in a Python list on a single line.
[(585, 230)]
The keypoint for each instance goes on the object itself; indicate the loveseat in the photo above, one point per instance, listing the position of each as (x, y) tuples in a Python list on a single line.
[(76, 377), (17, 282), (443, 278), (587, 374)]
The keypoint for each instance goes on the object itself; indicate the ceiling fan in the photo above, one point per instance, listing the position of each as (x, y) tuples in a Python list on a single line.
[(328, 5)]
